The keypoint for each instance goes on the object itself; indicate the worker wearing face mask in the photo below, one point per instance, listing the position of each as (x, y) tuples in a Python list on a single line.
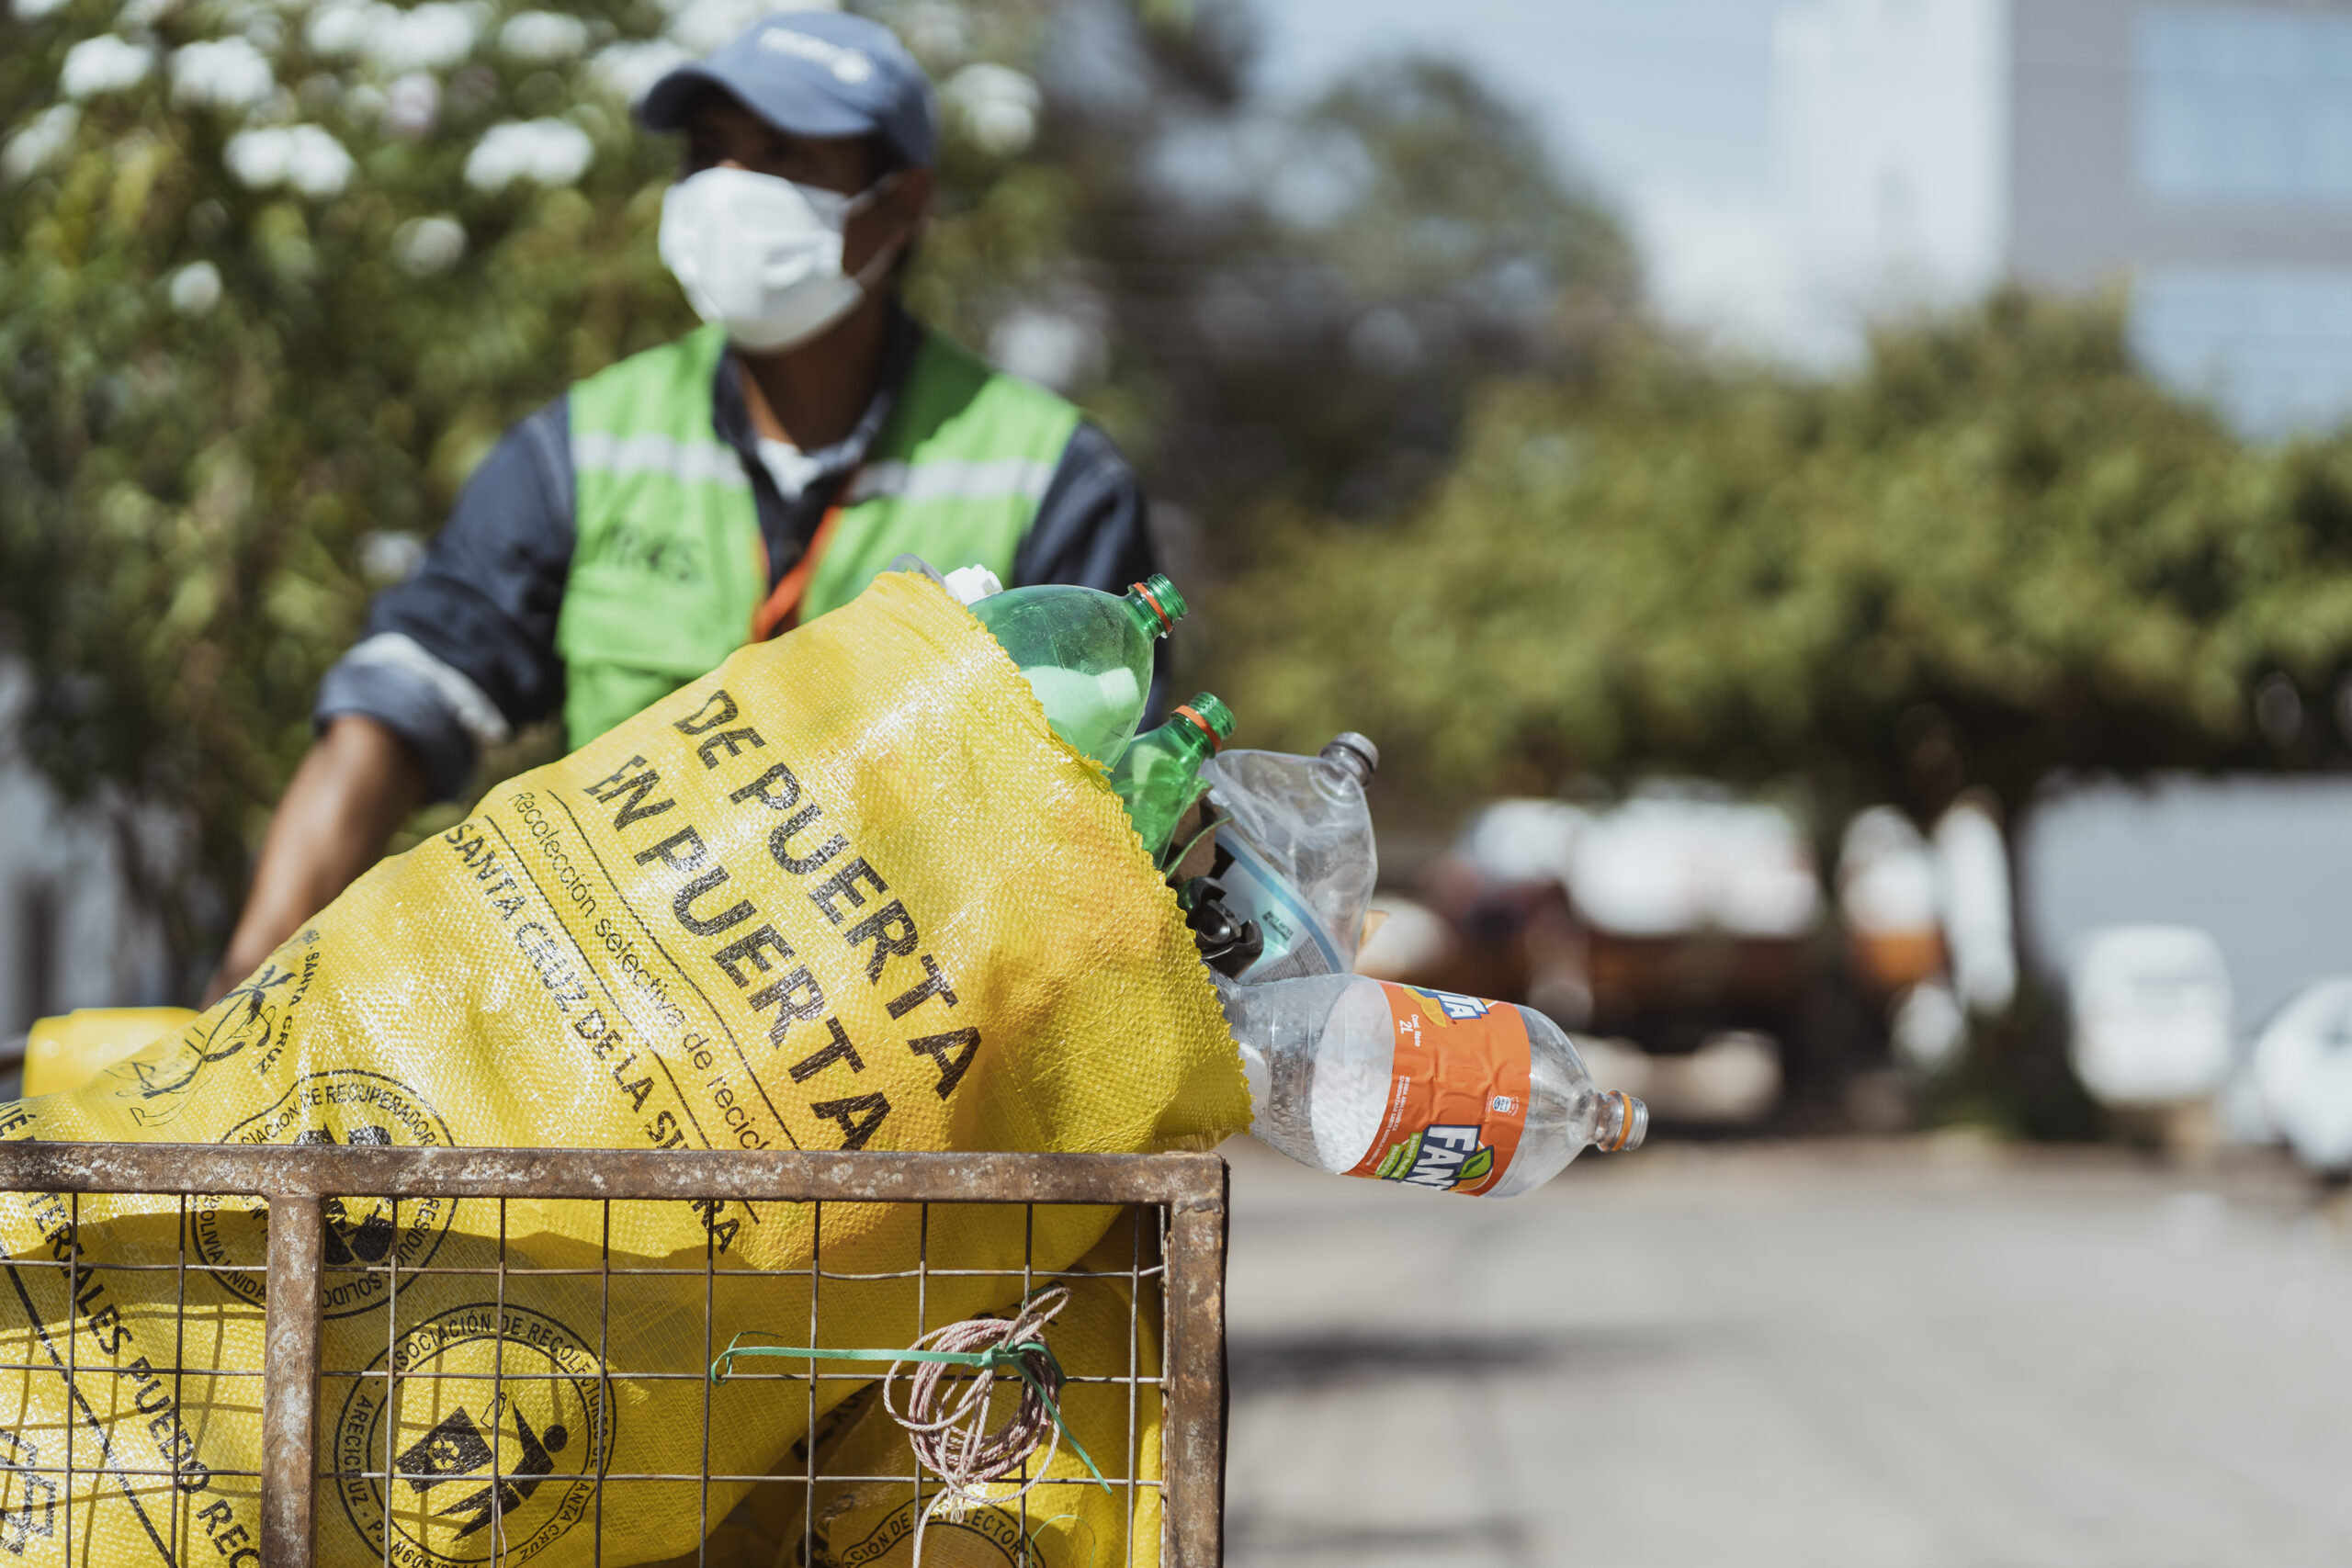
[(716, 490)]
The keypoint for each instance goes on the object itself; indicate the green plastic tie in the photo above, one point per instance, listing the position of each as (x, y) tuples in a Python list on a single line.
[(994, 1359)]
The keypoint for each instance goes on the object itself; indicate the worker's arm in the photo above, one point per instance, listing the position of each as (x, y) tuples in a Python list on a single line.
[(357, 783), (454, 657)]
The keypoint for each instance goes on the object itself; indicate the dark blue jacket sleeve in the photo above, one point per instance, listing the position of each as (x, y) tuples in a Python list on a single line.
[(462, 652), (1092, 525), (1093, 529)]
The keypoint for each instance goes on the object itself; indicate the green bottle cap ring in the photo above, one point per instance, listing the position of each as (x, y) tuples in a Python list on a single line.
[(1166, 620), (1217, 741)]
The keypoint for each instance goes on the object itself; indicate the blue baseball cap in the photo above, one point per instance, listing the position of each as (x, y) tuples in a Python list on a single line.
[(813, 73)]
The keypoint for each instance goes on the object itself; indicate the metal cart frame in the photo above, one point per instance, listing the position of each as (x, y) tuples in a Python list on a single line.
[(297, 1182)]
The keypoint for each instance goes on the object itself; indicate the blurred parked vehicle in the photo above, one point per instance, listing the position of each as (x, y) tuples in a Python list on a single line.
[(1698, 907), (2151, 1017), (1679, 913), (1929, 936), (1678, 923), (1887, 898), (1687, 924), (2303, 1074)]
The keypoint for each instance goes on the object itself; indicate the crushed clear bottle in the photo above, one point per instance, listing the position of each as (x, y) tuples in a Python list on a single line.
[(1296, 851)]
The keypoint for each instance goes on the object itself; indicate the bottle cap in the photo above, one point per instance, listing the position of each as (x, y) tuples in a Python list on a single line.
[(1161, 594), (970, 584), (1215, 719), (1355, 752)]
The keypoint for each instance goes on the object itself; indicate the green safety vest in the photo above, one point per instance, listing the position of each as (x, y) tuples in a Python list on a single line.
[(668, 566)]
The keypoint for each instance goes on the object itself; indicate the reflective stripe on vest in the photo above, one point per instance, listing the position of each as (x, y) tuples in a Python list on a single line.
[(668, 564), (712, 462), (968, 482)]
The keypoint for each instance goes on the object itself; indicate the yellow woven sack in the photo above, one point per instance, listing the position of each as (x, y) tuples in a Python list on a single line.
[(848, 891)]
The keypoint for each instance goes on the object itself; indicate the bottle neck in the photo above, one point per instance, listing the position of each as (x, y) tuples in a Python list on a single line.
[(1620, 1122), (1187, 740), (1190, 731), (1354, 755), (1150, 616)]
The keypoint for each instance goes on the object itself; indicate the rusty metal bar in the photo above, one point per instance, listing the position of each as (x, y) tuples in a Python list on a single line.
[(327, 1170), (290, 1380), (1192, 1411), (73, 1364)]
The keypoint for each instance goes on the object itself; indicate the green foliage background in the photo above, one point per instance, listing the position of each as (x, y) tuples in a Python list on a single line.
[(1380, 352), (1998, 552), (188, 495), (191, 492), (189, 489)]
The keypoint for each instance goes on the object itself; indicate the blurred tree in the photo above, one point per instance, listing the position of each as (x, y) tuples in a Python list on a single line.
[(274, 274), (1302, 301), (273, 278), (1997, 552)]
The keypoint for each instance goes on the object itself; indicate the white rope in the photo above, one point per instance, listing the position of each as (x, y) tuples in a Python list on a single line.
[(955, 1443)]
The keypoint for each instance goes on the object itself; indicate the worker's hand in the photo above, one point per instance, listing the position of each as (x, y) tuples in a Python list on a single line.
[(353, 789)]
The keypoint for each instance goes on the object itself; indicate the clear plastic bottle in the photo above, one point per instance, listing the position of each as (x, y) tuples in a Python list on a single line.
[(1158, 775), (1296, 855), (1365, 1077), (1087, 654)]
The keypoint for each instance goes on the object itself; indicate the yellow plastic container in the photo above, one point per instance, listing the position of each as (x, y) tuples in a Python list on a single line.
[(65, 1052)]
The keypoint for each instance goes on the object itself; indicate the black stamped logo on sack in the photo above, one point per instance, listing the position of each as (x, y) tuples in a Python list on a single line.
[(251, 1025), (344, 1105), (985, 1535), (503, 1426), (27, 1498)]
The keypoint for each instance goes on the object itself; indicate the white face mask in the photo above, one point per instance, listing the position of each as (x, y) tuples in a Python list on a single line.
[(761, 257)]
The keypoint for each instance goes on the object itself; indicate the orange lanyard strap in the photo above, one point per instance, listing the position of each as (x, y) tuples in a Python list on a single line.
[(780, 612)]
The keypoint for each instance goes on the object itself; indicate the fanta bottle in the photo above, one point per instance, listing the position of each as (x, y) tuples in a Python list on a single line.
[(1363, 1078)]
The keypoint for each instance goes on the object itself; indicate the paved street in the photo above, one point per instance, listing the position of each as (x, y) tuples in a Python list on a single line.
[(1929, 1353)]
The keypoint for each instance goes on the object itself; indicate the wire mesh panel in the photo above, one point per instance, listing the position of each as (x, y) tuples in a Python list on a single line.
[(78, 1312), (468, 1405)]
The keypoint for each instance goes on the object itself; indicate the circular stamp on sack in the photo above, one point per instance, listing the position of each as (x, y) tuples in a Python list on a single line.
[(344, 1105), (501, 1427)]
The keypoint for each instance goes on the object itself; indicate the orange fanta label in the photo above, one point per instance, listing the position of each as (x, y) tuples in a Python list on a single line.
[(1457, 1094)]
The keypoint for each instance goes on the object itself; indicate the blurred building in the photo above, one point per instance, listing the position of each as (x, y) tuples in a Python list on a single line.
[(69, 936), (1928, 150), (2262, 864), (1793, 169)]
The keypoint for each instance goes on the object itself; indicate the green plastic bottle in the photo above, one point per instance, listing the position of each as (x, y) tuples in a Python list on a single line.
[(1087, 654), (1159, 775)]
